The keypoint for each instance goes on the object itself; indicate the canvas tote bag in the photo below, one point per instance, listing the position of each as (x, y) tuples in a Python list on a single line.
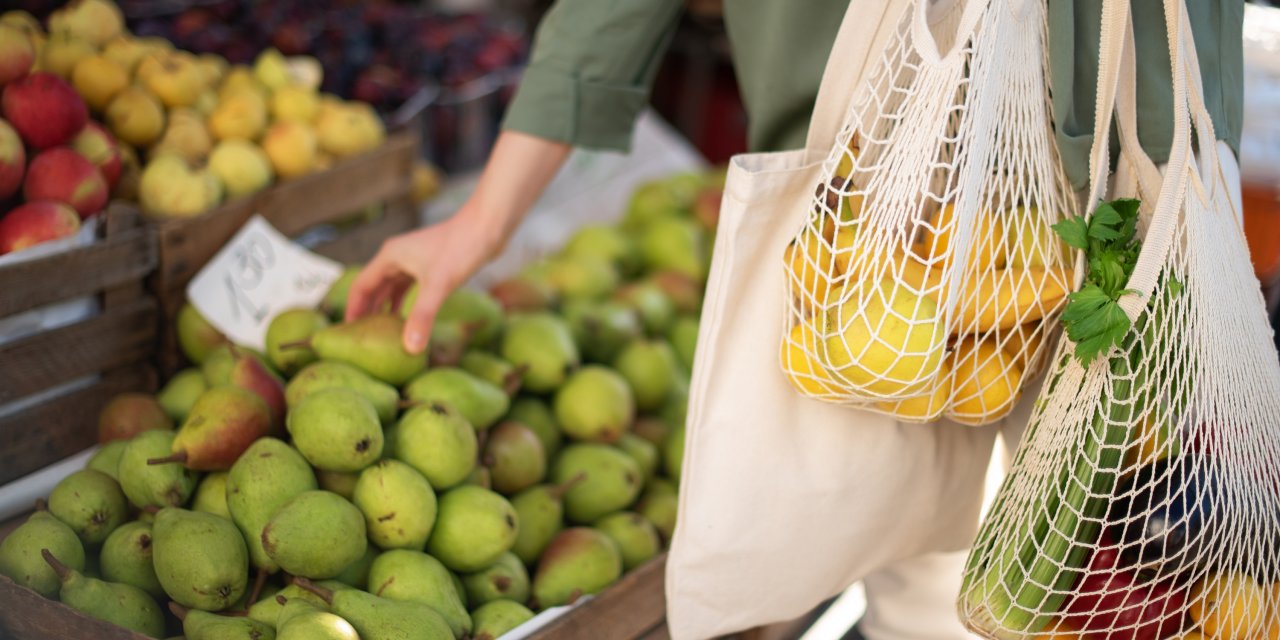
[(785, 500)]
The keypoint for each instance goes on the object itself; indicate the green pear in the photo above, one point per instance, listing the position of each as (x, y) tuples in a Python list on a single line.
[(595, 405), (459, 588), (222, 360), (673, 453), (91, 503), (398, 504), (405, 575), (612, 480), (20, 552), (476, 309), (474, 527), (654, 430), (543, 343), (659, 505), (637, 539), (646, 454), (120, 604), (211, 495), (317, 534), (601, 328), (317, 625), (107, 458), (607, 243), (131, 413), (493, 619), (294, 325), (676, 244), (480, 402), (684, 339), (540, 511), (493, 369), (269, 606), (127, 558), (343, 483), (507, 579), (373, 345), (200, 559), (480, 477), (223, 423), (582, 276), (515, 457), (437, 441), (202, 625), (579, 561), (382, 618), (654, 307), (649, 367), (180, 393), (535, 414), (524, 292), (336, 429), (675, 409), (334, 303), (327, 375), (449, 342), (356, 574), (154, 485), (196, 336), (264, 479), (671, 197), (252, 375)]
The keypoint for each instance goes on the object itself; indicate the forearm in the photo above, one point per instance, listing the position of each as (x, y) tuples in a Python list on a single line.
[(519, 169)]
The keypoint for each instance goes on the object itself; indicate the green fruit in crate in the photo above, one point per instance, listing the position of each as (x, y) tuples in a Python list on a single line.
[(211, 495), (264, 479), (582, 276), (474, 527), (578, 562), (673, 453), (540, 510), (601, 327), (437, 441), (129, 414), (515, 457), (371, 344), (180, 393), (683, 291), (334, 303), (91, 503), (383, 618), (675, 409), (474, 308), (659, 505), (492, 369), (268, 607), (661, 199), (507, 579), (480, 402), (154, 485), (294, 325), (684, 339), (336, 429), (220, 364), (201, 625), (646, 454), (292, 608), (493, 619), (196, 336), (675, 244), (535, 414), (221, 425), (252, 374), (200, 559), (480, 477), (22, 562), (107, 458), (120, 604), (595, 405), (317, 625), (606, 243), (637, 539), (653, 430), (390, 436), (449, 340), (412, 576), (459, 588), (612, 480), (127, 558), (327, 375), (524, 293), (398, 504), (656, 309), (650, 369), (542, 342), (317, 534), (356, 574), (241, 166), (340, 482)]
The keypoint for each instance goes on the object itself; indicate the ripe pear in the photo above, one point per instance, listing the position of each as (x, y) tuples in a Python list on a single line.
[(107, 458), (492, 369), (480, 477), (264, 479), (493, 619), (213, 66), (398, 504), (211, 495), (607, 243), (135, 117), (185, 135), (293, 325), (317, 534), (649, 367), (612, 480), (595, 405), (448, 343), (373, 345), (128, 414), (349, 130), (294, 103), (674, 243), (120, 604), (21, 558), (480, 402), (292, 147), (178, 80), (524, 293), (684, 339), (91, 503), (637, 539), (328, 375), (437, 441), (62, 52), (223, 423), (543, 343), (601, 328), (334, 304), (659, 505), (127, 558), (383, 618), (357, 573), (656, 309), (241, 166), (250, 373), (535, 414), (202, 625), (222, 360), (154, 485), (340, 482), (180, 394), (336, 429), (507, 579), (200, 559), (269, 607), (474, 527), (98, 79), (541, 513), (271, 69), (196, 336), (582, 276), (515, 457), (413, 576), (316, 625), (239, 115), (648, 456), (170, 187), (476, 308), (94, 21), (579, 561)]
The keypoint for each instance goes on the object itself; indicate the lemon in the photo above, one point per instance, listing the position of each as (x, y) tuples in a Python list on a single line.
[(1228, 606), (1023, 341), (989, 237), (809, 262), (986, 381), (803, 369), (886, 341), (1029, 240), (926, 407)]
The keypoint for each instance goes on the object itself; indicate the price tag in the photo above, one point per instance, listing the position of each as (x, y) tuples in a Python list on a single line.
[(256, 276)]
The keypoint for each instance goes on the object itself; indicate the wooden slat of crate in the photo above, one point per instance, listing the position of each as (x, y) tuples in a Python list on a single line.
[(628, 610), (24, 615), (125, 257)]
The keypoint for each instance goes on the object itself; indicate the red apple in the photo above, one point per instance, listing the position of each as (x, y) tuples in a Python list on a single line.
[(100, 147), (16, 53), (13, 160), (44, 109), (36, 222), (62, 175)]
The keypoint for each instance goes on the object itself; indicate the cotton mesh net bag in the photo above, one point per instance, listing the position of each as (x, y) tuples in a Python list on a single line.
[(1144, 500), (926, 278)]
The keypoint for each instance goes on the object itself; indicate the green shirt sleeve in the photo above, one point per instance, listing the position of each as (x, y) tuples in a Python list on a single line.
[(591, 70)]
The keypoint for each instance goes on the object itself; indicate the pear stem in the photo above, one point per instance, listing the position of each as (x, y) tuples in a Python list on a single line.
[(558, 492), (512, 382), (258, 583), (296, 344), (321, 592), (282, 600), (62, 570), (178, 457), (178, 610), (408, 403), (41, 504), (573, 596)]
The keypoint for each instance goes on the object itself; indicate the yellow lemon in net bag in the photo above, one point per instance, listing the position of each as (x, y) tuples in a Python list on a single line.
[(926, 407), (885, 339), (989, 237), (1230, 606), (811, 269), (801, 365), (986, 381)]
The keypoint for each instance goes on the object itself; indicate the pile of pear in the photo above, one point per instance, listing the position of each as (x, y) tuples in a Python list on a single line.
[(337, 486)]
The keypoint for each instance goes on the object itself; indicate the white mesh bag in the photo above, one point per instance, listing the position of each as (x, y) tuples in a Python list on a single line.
[(926, 276), (1144, 500)]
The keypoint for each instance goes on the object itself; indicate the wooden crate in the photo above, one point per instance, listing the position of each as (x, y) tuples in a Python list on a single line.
[(117, 343)]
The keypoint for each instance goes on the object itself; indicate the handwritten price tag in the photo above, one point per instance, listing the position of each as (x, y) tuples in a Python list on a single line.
[(256, 276)]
